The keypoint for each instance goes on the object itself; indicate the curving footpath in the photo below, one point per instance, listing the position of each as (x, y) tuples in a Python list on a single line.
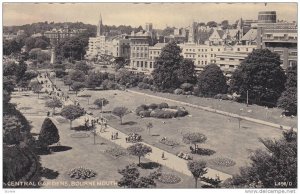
[(216, 111)]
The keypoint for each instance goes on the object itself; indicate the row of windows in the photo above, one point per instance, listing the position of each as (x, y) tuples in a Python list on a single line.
[(154, 52), (230, 59), (202, 62), (139, 55), (144, 64), (203, 56), (140, 48), (223, 65)]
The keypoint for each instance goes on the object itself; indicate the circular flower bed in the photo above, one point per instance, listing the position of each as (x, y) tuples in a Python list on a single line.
[(79, 135), (224, 162), (169, 142), (81, 173), (169, 178)]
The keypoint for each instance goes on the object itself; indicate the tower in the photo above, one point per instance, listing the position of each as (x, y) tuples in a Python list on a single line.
[(100, 26)]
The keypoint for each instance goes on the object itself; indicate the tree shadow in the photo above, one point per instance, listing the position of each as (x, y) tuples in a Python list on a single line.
[(81, 128), (130, 123), (60, 148), (149, 165), (204, 152), (49, 173)]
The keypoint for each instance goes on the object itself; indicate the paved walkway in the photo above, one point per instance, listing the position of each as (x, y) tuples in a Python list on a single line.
[(217, 111)]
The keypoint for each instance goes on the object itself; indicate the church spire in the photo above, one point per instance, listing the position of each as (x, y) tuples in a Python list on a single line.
[(100, 26)]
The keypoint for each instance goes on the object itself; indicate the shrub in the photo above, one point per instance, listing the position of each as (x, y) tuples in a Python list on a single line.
[(222, 97), (163, 105), (224, 162), (153, 106), (169, 142), (178, 91), (142, 85), (145, 113), (182, 113), (49, 132), (186, 86)]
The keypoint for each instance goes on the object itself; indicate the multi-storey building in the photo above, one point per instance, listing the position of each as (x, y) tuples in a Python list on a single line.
[(139, 50), (55, 35), (277, 37)]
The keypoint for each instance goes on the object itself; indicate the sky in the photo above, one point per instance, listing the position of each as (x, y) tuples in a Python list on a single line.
[(160, 14)]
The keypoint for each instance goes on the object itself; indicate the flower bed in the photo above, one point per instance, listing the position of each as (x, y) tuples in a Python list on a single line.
[(116, 152), (81, 173), (162, 110), (79, 135), (224, 162), (167, 178), (169, 142)]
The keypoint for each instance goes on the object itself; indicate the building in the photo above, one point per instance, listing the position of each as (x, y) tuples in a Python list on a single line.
[(278, 37), (149, 27), (139, 50), (55, 35)]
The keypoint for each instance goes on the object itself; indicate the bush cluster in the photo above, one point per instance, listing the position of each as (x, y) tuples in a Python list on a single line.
[(224, 162), (161, 110), (169, 178), (81, 173)]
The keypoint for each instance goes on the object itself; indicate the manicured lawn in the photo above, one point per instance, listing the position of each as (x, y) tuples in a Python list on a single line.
[(82, 152), (224, 135), (253, 111)]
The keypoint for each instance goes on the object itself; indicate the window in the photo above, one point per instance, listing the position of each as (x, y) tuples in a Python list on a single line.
[(205, 56), (145, 55), (222, 65), (205, 62), (138, 64), (231, 66), (133, 54), (198, 62), (150, 52), (137, 48), (193, 50), (186, 49), (199, 50), (146, 65), (141, 54), (222, 59), (211, 55), (238, 49), (150, 64), (146, 48), (142, 65), (231, 59), (211, 49), (201, 62), (205, 50), (247, 49), (218, 49), (137, 55), (141, 48)]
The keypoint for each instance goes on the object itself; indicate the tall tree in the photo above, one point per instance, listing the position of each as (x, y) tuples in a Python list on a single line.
[(288, 99), (72, 112), (11, 130), (211, 81), (120, 112), (261, 75), (54, 103), (49, 132), (194, 138), (100, 102), (212, 24), (36, 87), (139, 150), (187, 72), (198, 169), (77, 86), (165, 74), (271, 166)]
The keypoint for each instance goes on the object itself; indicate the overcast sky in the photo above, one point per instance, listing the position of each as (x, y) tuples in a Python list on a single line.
[(160, 14)]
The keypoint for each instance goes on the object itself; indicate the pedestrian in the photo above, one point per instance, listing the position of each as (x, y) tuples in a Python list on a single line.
[(117, 135), (163, 155), (112, 136), (48, 114)]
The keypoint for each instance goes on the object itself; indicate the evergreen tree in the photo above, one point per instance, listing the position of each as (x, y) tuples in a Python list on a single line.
[(261, 75), (165, 75), (212, 81), (49, 132), (288, 99)]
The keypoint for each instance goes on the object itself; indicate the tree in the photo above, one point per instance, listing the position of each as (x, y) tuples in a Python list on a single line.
[(36, 87), (49, 132), (261, 75), (20, 71), (82, 66), (186, 72), (76, 86), (131, 178), (54, 103), (29, 43), (212, 24), (198, 169), (225, 24), (40, 43), (72, 112), (288, 99), (277, 162), (100, 102), (149, 126), (11, 130), (130, 174), (77, 76), (68, 81), (168, 31), (211, 81), (94, 79), (139, 150), (120, 112), (11, 46), (73, 47), (194, 138), (165, 74)]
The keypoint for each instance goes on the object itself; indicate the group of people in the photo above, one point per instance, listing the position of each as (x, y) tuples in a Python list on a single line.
[(133, 137), (114, 136), (184, 156)]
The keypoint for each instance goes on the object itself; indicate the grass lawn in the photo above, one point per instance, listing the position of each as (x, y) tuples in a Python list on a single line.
[(82, 152), (258, 112), (223, 133)]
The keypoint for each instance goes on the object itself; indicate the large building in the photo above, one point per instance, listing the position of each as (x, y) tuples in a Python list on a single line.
[(277, 37), (55, 35)]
